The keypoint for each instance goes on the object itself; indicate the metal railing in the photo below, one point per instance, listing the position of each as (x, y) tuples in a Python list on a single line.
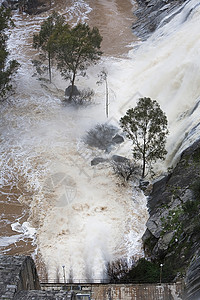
[(87, 281)]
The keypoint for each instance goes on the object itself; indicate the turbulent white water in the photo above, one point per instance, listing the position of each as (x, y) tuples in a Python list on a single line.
[(83, 216)]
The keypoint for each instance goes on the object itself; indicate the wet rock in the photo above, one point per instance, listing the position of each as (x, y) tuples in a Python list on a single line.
[(119, 159), (173, 230), (68, 91), (97, 160), (164, 241), (151, 13), (193, 279), (17, 273), (118, 139), (143, 185), (5, 4)]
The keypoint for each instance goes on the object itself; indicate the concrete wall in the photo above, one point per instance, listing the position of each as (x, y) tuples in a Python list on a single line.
[(138, 292), (124, 291)]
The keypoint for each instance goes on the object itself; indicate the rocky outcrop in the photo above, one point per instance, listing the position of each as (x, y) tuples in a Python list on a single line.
[(151, 13), (19, 281), (193, 279), (173, 229), (17, 273)]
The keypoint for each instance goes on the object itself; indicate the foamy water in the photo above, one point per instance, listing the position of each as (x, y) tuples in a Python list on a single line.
[(83, 216)]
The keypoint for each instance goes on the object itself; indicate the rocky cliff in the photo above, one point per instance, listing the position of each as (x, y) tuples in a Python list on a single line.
[(173, 229), (152, 14)]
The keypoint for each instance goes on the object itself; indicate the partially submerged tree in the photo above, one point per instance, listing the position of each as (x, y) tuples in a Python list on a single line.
[(103, 77), (125, 170), (76, 49), (7, 68), (44, 41), (146, 126)]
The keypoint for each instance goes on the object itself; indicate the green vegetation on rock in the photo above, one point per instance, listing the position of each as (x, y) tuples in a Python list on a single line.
[(7, 68)]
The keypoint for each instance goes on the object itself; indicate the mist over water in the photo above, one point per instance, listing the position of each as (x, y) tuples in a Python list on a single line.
[(81, 217)]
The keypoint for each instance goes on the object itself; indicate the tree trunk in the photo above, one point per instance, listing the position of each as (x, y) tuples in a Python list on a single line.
[(107, 98), (49, 57), (72, 90), (144, 156), (143, 166)]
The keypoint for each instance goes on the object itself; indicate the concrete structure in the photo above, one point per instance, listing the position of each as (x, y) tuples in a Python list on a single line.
[(97, 291), (19, 281)]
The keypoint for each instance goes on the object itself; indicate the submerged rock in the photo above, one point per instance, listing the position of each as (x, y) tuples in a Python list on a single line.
[(97, 160), (118, 139), (68, 91), (119, 159)]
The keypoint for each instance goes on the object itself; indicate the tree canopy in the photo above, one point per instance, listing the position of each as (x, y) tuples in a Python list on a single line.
[(7, 68), (77, 48), (146, 126), (43, 40), (74, 48)]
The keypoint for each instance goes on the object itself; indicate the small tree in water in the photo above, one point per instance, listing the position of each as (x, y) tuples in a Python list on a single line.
[(76, 49), (146, 126)]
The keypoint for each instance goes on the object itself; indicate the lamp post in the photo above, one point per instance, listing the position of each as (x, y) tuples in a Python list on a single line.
[(161, 265), (64, 279)]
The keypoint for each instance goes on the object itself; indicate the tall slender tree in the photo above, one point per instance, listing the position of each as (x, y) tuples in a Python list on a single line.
[(146, 126), (43, 40)]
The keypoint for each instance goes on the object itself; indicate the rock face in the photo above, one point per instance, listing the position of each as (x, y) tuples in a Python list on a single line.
[(192, 279), (17, 273), (19, 281), (150, 14), (173, 229)]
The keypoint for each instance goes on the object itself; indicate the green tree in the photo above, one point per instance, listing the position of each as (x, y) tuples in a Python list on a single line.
[(7, 68), (146, 126), (77, 48), (44, 41)]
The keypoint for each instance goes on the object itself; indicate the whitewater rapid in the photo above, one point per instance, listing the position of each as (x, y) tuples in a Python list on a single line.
[(80, 217), (84, 216)]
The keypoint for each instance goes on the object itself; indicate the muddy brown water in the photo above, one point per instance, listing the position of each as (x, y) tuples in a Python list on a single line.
[(114, 20)]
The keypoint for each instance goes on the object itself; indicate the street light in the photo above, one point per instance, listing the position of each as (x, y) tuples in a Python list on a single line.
[(64, 274), (161, 265)]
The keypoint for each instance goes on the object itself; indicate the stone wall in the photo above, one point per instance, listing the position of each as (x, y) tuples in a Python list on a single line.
[(17, 273)]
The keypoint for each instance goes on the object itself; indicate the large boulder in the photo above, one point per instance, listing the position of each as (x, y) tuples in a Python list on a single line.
[(118, 139), (68, 91)]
